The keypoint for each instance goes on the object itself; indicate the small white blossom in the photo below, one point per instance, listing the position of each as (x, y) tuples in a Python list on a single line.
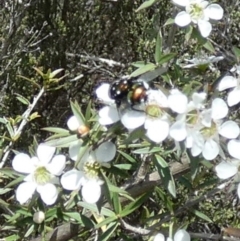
[(153, 117), (42, 171), (180, 235), (87, 177), (198, 12), (208, 139), (188, 120)]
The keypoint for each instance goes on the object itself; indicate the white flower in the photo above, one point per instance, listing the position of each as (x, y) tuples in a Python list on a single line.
[(202, 60), (108, 114), (42, 171), (153, 117), (228, 82), (199, 12), (188, 120), (214, 126), (180, 235), (87, 178)]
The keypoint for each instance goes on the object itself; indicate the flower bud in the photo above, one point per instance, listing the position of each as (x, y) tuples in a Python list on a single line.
[(39, 217)]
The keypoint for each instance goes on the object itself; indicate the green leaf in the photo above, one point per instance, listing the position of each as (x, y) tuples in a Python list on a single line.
[(151, 75), (30, 230), (74, 215), (138, 64), (135, 205), (146, 4), (158, 48), (236, 52), (143, 69), (4, 190), (14, 237), (165, 58), (189, 32), (10, 130), (77, 112), (125, 167), (127, 157), (57, 130), (54, 73), (201, 215), (116, 202), (161, 161), (165, 174), (88, 111), (147, 150), (62, 142), (208, 45), (107, 221), (22, 99), (108, 233), (169, 22), (94, 208)]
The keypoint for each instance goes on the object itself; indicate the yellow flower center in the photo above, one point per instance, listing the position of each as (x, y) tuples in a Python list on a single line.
[(196, 11), (42, 175), (208, 132), (154, 111), (91, 169), (192, 117)]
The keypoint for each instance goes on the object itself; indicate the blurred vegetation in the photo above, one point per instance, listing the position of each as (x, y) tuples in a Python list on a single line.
[(59, 33)]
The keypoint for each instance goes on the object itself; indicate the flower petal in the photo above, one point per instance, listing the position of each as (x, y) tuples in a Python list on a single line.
[(25, 191), (178, 131), (23, 163), (71, 180), (229, 129), (178, 101), (57, 165), (198, 99), (157, 130), (102, 93), (108, 115), (74, 150), (233, 97), (182, 19), (226, 169), (210, 150), (214, 11), (182, 235), (219, 109), (159, 237), (45, 153), (91, 191), (205, 28), (227, 82), (206, 117), (233, 148), (106, 152), (48, 193), (133, 119), (73, 123)]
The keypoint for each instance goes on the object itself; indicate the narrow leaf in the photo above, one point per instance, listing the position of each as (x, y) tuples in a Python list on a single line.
[(146, 4)]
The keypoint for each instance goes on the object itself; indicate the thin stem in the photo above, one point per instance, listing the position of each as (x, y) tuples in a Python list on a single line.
[(24, 121)]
